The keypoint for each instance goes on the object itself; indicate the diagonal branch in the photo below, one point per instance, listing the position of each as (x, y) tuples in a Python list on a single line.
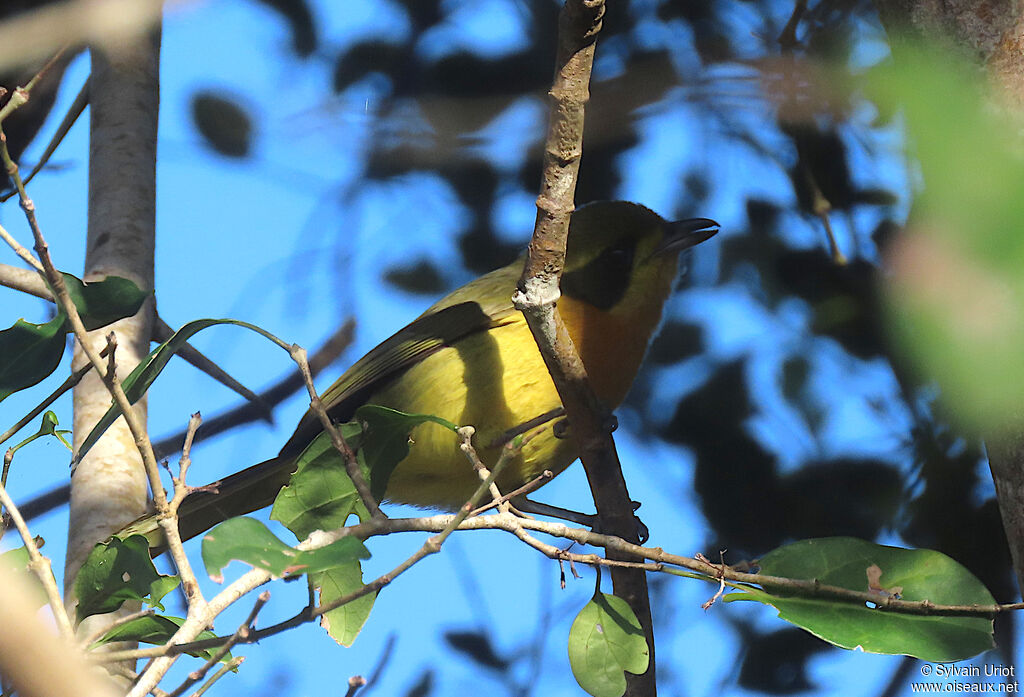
[(578, 26)]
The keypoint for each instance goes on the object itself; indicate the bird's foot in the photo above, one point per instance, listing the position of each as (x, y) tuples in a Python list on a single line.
[(590, 520)]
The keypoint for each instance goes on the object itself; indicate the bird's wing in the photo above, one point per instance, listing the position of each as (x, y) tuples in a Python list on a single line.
[(478, 306)]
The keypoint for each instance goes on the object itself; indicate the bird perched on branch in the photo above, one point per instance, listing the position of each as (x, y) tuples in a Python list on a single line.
[(471, 359)]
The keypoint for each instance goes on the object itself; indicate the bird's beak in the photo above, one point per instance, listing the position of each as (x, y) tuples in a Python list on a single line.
[(683, 234)]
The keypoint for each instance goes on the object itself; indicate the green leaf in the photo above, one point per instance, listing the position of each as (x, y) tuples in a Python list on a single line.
[(250, 541), (343, 623), (16, 561), (320, 495), (47, 427), (31, 352), (156, 630), (100, 303), (916, 574), (386, 441), (116, 571), (139, 380), (954, 292), (605, 640), (161, 587)]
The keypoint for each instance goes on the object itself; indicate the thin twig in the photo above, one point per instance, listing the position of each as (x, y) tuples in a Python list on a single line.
[(35, 284), (221, 672), (181, 490), (73, 112), (268, 398), (535, 483), (355, 473), (257, 577), (354, 684), (659, 561), (466, 433), (241, 634), (40, 566)]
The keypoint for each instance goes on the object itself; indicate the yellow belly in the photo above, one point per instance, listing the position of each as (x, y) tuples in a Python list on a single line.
[(511, 385)]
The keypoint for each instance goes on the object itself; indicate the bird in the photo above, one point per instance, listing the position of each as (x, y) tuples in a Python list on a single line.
[(471, 359)]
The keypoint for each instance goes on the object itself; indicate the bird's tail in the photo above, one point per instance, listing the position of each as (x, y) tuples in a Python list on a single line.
[(237, 494)]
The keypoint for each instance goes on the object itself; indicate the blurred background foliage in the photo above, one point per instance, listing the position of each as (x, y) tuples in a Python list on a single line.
[(773, 378)]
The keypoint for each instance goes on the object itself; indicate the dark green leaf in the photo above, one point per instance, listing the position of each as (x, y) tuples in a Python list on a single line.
[(116, 571), (139, 380), (249, 540), (223, 122), (156, 630), (916, 574), (605, 640), (343, 623), (100, 303), (31, 352), (386, 441)]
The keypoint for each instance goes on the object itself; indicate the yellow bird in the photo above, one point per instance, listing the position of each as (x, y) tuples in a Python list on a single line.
[(471, 359)]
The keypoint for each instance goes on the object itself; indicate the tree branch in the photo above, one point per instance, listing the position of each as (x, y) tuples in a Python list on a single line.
[(578, 26)]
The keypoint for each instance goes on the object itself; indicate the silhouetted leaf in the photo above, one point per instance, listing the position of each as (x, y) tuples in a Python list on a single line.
[(477, 646), (373, 56), (300, 20), (421, 277), (776, 663), (223, 122)]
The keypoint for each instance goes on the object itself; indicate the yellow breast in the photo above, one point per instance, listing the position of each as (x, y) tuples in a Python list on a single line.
[(510, 385)]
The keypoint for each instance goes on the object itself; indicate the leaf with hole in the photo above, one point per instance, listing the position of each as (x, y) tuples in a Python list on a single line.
[(915, 574), (117, 571)]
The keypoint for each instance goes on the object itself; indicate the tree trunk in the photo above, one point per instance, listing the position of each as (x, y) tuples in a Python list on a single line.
[(109, 486)]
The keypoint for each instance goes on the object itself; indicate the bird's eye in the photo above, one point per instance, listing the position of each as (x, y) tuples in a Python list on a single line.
[(621, 257)]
